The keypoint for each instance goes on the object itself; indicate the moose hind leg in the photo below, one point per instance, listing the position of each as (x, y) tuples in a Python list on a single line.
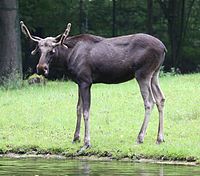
[(160, 99), (148, 98)]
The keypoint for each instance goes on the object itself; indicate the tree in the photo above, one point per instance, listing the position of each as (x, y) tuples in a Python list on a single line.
[(177, 17), (10, 55), (149, 16), (113, 18), (175, 22), (81, 16)]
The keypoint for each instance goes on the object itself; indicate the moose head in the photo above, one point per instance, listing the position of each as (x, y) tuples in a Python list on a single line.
[(46, 47)]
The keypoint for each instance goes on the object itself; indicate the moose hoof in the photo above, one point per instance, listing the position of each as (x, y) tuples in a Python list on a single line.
[(82, 149), (159, 141), (76, 140), (140, 140)]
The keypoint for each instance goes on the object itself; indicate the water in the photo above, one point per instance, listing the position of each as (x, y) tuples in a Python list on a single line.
[(39, 167)]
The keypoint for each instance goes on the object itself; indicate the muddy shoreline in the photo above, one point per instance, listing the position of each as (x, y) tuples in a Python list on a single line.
[(96, 158)]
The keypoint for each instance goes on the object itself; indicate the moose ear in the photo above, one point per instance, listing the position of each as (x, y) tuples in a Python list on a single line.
[(34, 51)]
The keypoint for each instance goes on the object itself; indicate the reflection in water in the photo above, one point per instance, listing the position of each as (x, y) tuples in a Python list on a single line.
[(50, 167)]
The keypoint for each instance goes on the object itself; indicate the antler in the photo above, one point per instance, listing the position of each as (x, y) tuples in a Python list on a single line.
[(27, 33), (36, 37), (64, 36)]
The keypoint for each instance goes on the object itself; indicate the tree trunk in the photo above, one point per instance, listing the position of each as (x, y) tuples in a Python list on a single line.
[(114, 19), (81, 16), (175, 12), (10, 45), (149, 16)]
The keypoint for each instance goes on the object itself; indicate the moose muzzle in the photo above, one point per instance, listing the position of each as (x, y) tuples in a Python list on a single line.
[(42, 69)]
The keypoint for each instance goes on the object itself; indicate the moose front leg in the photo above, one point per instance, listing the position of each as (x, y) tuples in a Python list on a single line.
[(85, 95), (79, 109)]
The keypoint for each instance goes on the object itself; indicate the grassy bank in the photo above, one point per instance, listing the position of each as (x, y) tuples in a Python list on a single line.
[(42, 119)]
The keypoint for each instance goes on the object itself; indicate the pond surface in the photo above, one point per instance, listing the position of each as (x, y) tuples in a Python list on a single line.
[(39, 167)]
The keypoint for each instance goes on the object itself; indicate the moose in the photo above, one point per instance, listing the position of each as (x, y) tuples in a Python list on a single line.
[(90, 59)]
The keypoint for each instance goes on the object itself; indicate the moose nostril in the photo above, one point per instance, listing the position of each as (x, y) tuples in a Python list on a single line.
[(45, 67)]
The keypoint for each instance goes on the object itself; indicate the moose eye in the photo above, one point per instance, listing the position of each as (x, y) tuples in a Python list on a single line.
[(52, 51)]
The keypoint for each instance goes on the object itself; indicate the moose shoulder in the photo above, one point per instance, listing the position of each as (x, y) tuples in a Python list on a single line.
[(92, 59)]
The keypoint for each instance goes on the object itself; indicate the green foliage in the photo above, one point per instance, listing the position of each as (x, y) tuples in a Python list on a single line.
[(37, 79), (49, 18), (173, 72), (42, 119), (191, 58)]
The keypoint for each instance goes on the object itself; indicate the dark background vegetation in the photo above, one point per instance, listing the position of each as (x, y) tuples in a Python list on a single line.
[(175, 22)]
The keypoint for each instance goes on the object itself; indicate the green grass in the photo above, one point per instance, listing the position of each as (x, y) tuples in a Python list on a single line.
[(42, 118)]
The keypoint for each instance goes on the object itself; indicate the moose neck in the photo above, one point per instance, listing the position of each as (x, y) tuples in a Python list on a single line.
[(63, 53), (72, 41), (66, 56)]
